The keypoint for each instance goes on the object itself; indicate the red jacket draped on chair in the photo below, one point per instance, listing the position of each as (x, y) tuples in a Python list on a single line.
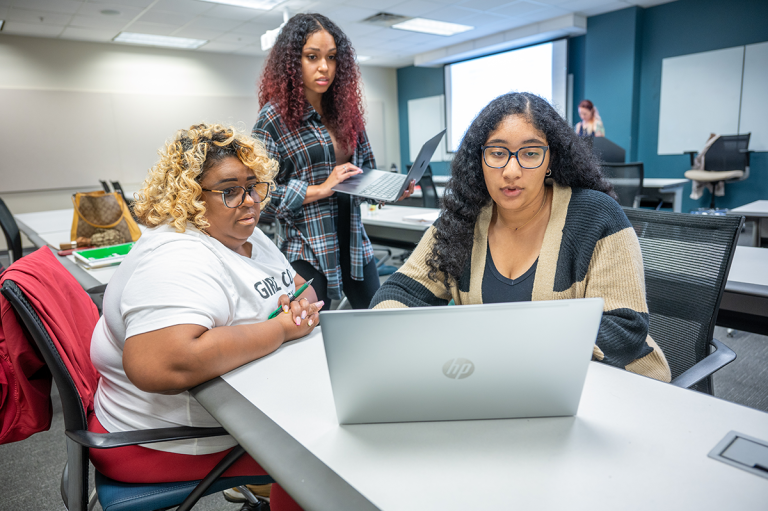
[(69, 316)]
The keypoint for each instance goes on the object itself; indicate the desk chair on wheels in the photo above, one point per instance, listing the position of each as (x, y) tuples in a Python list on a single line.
[(686, 259), (113, 495), (726, 161)]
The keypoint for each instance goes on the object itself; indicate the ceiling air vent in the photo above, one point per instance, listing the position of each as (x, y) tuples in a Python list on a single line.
[(385, 19)]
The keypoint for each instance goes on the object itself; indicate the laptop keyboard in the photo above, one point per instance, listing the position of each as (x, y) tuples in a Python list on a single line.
[(384, 187)]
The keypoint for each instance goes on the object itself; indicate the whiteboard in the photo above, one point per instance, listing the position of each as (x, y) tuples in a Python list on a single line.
[(426, 118), (754, 101), (700, 94)]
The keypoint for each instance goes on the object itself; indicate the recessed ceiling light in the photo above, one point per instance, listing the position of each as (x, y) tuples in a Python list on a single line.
[(363, 58), (159, 40), (110, 12), (263, 5), (432, 27)]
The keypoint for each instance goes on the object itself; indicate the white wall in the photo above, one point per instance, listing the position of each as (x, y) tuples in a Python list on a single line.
[(142, 95)]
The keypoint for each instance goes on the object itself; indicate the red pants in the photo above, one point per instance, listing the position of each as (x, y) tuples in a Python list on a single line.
[(136, 464)]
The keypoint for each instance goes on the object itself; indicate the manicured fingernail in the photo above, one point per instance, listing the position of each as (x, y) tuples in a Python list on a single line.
[(309, 322), (285, 308), (298, 322), (303, 314), (319, 304)]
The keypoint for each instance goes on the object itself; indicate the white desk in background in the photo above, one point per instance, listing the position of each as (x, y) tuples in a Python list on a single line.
[(756, 212), (744, 305), (636, 444), (51, 228), (745, 300)]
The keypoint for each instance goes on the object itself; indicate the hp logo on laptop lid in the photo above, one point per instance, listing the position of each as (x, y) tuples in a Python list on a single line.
[(458, 368)]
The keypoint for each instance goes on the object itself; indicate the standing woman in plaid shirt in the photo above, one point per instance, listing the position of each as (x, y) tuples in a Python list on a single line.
[(311, 121)]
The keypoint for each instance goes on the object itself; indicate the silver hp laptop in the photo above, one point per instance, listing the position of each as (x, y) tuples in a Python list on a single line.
[(386, 186), (510, 360)]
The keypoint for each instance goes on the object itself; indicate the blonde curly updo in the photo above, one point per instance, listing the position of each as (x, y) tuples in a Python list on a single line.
[(172, 191)]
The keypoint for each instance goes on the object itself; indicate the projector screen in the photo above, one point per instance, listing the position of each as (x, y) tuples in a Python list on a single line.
[(472, 84)]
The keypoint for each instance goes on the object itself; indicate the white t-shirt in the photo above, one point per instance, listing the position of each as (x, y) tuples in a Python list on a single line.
[(168, 279)]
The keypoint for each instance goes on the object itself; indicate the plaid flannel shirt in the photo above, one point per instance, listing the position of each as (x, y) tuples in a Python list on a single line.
[(306, 158)]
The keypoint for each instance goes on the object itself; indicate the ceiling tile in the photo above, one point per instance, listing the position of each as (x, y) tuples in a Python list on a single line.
[(198, 33), (105, 22), (241, 39), (166, 18), (484, 5), (141, 4), (254, 28), (378, 6), (345, 13), (88, 34), (214, 23), (151, 28), (183, 6), (19, 28), (361, 29), (601, 8), (127, 12), (60, 6), (34, 17), (463, 16), (518, 8), (414, 8), (219, 47), (233, 13)]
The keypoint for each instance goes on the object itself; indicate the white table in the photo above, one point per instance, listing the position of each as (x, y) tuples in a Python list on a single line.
[(386, 225), (745, 300), (51, 228), (635, 444), (755, 212)]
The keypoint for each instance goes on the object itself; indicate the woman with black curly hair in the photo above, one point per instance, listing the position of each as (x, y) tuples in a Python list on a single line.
[(527, 215), (311, 121)]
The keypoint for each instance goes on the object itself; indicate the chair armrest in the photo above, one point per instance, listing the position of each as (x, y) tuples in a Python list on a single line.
[(746, 153), (706, 366), (96, 289), (145, 436), (691, 155)]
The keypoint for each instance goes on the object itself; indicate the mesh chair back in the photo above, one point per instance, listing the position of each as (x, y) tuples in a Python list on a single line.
[(11, 231), (627, 180), (725, 153), (686, 260)]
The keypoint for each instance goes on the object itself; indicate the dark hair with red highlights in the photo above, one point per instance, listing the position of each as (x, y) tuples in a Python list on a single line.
[(587, 104), (283, 86)]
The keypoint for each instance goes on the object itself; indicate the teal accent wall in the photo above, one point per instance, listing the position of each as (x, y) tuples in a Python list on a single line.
[(621, 73), (681, 28), (576, 54), (415, 83), (617, 65), (611, 72)]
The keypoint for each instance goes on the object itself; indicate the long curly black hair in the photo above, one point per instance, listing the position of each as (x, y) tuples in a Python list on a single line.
[(282, 84), (571, 162)]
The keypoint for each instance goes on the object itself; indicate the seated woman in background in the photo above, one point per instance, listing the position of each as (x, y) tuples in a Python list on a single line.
[(528, 216), (189, 303), (591, 124)]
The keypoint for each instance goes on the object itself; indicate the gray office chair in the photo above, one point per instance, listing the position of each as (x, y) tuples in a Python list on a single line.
[(11, 232), (726, 161), (428, 190), (627, 181), (686, 260)]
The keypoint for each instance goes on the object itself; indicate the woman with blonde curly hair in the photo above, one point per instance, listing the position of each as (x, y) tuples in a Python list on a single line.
[(191, 302)]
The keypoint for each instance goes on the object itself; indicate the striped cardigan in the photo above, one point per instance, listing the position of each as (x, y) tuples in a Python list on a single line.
[(589, 250)]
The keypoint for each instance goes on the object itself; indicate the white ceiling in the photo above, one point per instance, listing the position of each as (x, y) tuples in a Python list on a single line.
[(237, 30)]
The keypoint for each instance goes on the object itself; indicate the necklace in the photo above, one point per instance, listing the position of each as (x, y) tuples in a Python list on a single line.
[(534, 216)]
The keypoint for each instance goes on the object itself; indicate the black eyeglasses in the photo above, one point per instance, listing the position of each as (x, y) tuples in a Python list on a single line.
[(235, 196), (528, 157)]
